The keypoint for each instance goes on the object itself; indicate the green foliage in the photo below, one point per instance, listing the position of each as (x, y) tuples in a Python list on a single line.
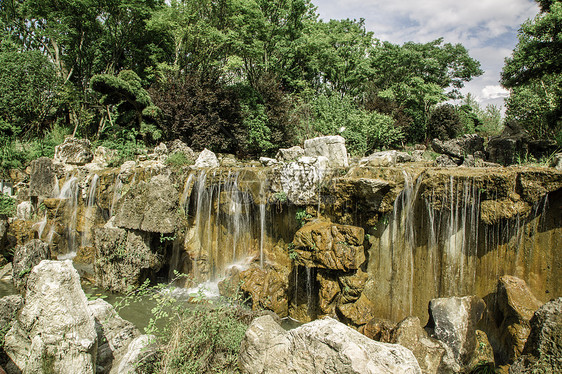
[(178, 160), (7, 205), (534, 73), (364, 131), (28, 93), (484, 368), (280, 197), (205, 340), (444, 123), (302, 217)]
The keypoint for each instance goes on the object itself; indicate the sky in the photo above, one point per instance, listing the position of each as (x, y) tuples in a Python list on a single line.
[(487, 28)]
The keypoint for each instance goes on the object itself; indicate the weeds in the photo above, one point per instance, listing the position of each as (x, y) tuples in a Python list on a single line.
[(302, 216), (7, 205), (177, 160)]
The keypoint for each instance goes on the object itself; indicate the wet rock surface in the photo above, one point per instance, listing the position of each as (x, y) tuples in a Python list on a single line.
[(322, 346), (123, 258), (149, 207), (453, 321), (325, 245), (267, 288)]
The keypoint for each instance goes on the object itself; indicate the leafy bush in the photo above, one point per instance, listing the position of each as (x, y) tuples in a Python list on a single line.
[(364, 131), (7, 205), (205, 340), (177, 160), (444, 123)]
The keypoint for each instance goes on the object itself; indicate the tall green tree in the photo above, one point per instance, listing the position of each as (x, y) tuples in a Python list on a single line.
[(534, 71)]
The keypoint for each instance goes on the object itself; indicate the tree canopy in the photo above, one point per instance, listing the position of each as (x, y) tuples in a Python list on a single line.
[(246, 76)]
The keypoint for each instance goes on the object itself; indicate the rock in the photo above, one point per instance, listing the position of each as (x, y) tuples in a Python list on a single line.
[(150, 207), (161, 150), (445, 161), (103, 156), (24, 211), (123, 258), (543, 350), (268, 289), (331, 147), (453, 321), (352, 286), (9, 307), (177, 146), (328, 292), (556, 161), (55, 330), (25, 258), (266, 161), (381, 330), (140, 351), (74, 151), (459, 148), (299, 180), (325, 245), (321, 346), (385, 159), (43, 179), (483, 354), (289, 154), (359, 312), (114, 335), (511, 309), (207, 159), (428, 351)]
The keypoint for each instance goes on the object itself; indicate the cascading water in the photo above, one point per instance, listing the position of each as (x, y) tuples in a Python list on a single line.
[(89, 212), (69, 192)]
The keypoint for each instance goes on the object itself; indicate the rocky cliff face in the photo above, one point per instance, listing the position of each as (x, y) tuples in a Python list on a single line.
[(324, 238)]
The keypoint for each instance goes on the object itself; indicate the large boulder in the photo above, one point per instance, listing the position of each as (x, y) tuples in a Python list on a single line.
[(103, 156), (9, 307), (453, 321), (289, 154), (55, 330), (359, 312), (385, 159), (331, 147), (150, 207), (177, 146), (123, 258), (43, 178), (207, 159), (299, 180), (379, 329), (138, 352), (267, 288), (25, 258), (509, 313), (74, 151), (458, 149), (114, 335), (322, 346), (326, 245), (24, 210), (428, 351), (543, 350)]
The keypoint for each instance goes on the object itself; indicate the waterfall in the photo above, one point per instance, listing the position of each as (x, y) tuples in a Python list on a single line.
[(89, 212), (69, 192)]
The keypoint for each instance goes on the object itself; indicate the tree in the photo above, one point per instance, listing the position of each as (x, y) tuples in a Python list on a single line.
[(202, 113), (29, 90), (134, 105), (534, 71)]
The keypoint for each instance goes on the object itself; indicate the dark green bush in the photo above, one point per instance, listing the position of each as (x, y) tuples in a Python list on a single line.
[(444, 123)]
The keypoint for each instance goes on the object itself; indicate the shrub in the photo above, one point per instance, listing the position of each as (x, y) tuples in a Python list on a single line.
[(177, 160), (7, 205), (205, 340), (444, 123)]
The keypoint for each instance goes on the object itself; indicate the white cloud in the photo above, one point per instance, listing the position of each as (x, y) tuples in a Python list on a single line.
[(488, 28), (494, 92)]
